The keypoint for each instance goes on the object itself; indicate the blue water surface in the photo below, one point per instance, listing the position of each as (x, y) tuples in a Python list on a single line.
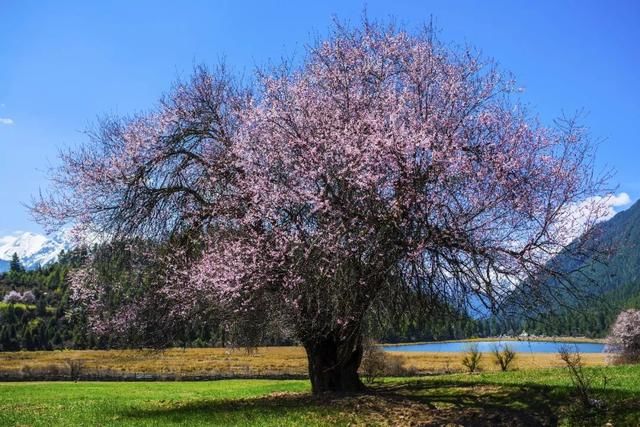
[(487, 346)]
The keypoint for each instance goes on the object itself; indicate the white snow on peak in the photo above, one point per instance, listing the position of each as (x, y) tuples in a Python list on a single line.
[(33, 249)]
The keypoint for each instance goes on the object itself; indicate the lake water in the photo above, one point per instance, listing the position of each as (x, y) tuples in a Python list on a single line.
[(487, 346)]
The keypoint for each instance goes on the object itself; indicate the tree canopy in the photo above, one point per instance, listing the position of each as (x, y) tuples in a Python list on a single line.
[(386, 171)]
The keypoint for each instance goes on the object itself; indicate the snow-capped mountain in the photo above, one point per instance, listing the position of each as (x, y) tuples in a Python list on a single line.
[(33, 249)]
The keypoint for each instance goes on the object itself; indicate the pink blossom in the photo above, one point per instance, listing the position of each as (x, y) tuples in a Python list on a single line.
[(385, 166)]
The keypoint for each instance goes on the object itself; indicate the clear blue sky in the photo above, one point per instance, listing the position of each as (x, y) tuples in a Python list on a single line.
[(63, 63)]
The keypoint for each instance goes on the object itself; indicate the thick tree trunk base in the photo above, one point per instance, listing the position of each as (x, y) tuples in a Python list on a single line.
[(333, 368)]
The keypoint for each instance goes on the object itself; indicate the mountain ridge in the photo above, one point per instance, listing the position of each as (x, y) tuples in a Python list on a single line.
[(608, 283), (33, 249)]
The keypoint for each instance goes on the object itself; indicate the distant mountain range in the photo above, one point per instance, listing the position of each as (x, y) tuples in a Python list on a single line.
[(33, 249), (608, 285), (622, 234), (619, 238)]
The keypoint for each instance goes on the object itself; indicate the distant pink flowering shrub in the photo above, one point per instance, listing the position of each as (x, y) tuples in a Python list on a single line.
[(16, 297), (623, 342), (12, 297), (28, 297)]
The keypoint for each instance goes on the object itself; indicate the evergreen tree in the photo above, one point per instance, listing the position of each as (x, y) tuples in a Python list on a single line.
[(15, 266)]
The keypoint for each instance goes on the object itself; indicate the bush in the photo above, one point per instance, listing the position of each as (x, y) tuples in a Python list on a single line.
[(15, 297), (471, 359), (373, 362), (75, 367), (394, 366), (504, 356), (378, 363), (582, 383), (28, 297), (12, 297), (623, 342)]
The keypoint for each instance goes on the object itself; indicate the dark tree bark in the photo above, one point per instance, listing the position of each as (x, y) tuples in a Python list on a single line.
[(333, 365)]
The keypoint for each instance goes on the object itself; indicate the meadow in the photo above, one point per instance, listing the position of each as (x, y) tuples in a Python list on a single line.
[(523, 397), (433, 390), (261, 362)]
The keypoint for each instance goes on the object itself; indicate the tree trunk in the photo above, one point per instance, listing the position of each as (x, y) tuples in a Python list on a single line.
[(333, 365)]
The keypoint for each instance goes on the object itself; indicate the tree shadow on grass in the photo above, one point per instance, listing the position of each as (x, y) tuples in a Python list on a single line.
[(274, 409), (494, 403), (405, 403), (473, 404)]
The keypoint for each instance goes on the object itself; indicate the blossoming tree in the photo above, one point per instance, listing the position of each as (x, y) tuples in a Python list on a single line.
[(624, 338), (386, 170)]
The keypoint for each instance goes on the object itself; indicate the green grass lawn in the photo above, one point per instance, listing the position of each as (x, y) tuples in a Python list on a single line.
[(531, 397)]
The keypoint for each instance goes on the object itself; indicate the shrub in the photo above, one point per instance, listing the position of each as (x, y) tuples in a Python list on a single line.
[(12, 297), (623, 342), (26, 371), (394, 366), (28, 297), (15, 297), (471, 359), (75, 368), (504, 356), (582, 383), (373, 362), (377, 363)]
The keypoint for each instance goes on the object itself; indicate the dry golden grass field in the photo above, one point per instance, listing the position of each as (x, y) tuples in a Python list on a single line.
[(263, 361)]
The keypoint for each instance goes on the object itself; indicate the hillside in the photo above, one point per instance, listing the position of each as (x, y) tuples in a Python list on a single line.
[(615, 285), (612, 283), (622, 233)]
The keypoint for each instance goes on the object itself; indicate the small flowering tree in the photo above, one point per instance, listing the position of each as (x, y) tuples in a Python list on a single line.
[(28, 297), (12, 297), (623, 341), (385, 171)]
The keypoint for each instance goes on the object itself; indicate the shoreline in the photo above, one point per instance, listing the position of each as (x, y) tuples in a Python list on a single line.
[(578, 340)]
